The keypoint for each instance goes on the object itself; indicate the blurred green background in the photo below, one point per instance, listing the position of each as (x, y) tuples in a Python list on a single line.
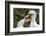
[(20, 13)]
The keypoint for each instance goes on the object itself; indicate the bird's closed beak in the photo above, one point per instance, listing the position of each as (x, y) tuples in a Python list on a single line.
[(26, 17)]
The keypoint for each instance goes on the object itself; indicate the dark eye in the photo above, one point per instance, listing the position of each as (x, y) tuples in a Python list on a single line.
[(30, 14)]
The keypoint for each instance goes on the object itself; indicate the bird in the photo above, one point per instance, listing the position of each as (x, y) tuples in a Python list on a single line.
[(31, 18)]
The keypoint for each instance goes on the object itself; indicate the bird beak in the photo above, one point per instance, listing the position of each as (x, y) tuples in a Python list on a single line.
[(26, 17)]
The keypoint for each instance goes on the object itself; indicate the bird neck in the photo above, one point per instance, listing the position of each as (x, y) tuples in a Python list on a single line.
[(33, 18)]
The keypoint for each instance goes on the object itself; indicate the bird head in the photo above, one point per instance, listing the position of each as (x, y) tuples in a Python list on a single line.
[(31, 15)]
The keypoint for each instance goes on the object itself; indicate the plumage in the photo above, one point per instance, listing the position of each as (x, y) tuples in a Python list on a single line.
[(33, 23)]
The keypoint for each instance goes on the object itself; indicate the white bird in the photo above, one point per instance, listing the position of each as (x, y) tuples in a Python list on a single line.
[(33, 23)]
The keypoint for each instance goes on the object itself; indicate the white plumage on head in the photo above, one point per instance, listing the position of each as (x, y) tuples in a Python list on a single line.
[(31, 12)]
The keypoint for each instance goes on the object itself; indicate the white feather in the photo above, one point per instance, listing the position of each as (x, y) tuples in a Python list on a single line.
[(32, 23)]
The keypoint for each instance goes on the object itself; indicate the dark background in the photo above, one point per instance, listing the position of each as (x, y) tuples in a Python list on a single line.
[(20, 13)]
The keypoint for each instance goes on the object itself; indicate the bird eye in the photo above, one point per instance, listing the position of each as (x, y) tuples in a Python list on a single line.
[(30, 14)]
